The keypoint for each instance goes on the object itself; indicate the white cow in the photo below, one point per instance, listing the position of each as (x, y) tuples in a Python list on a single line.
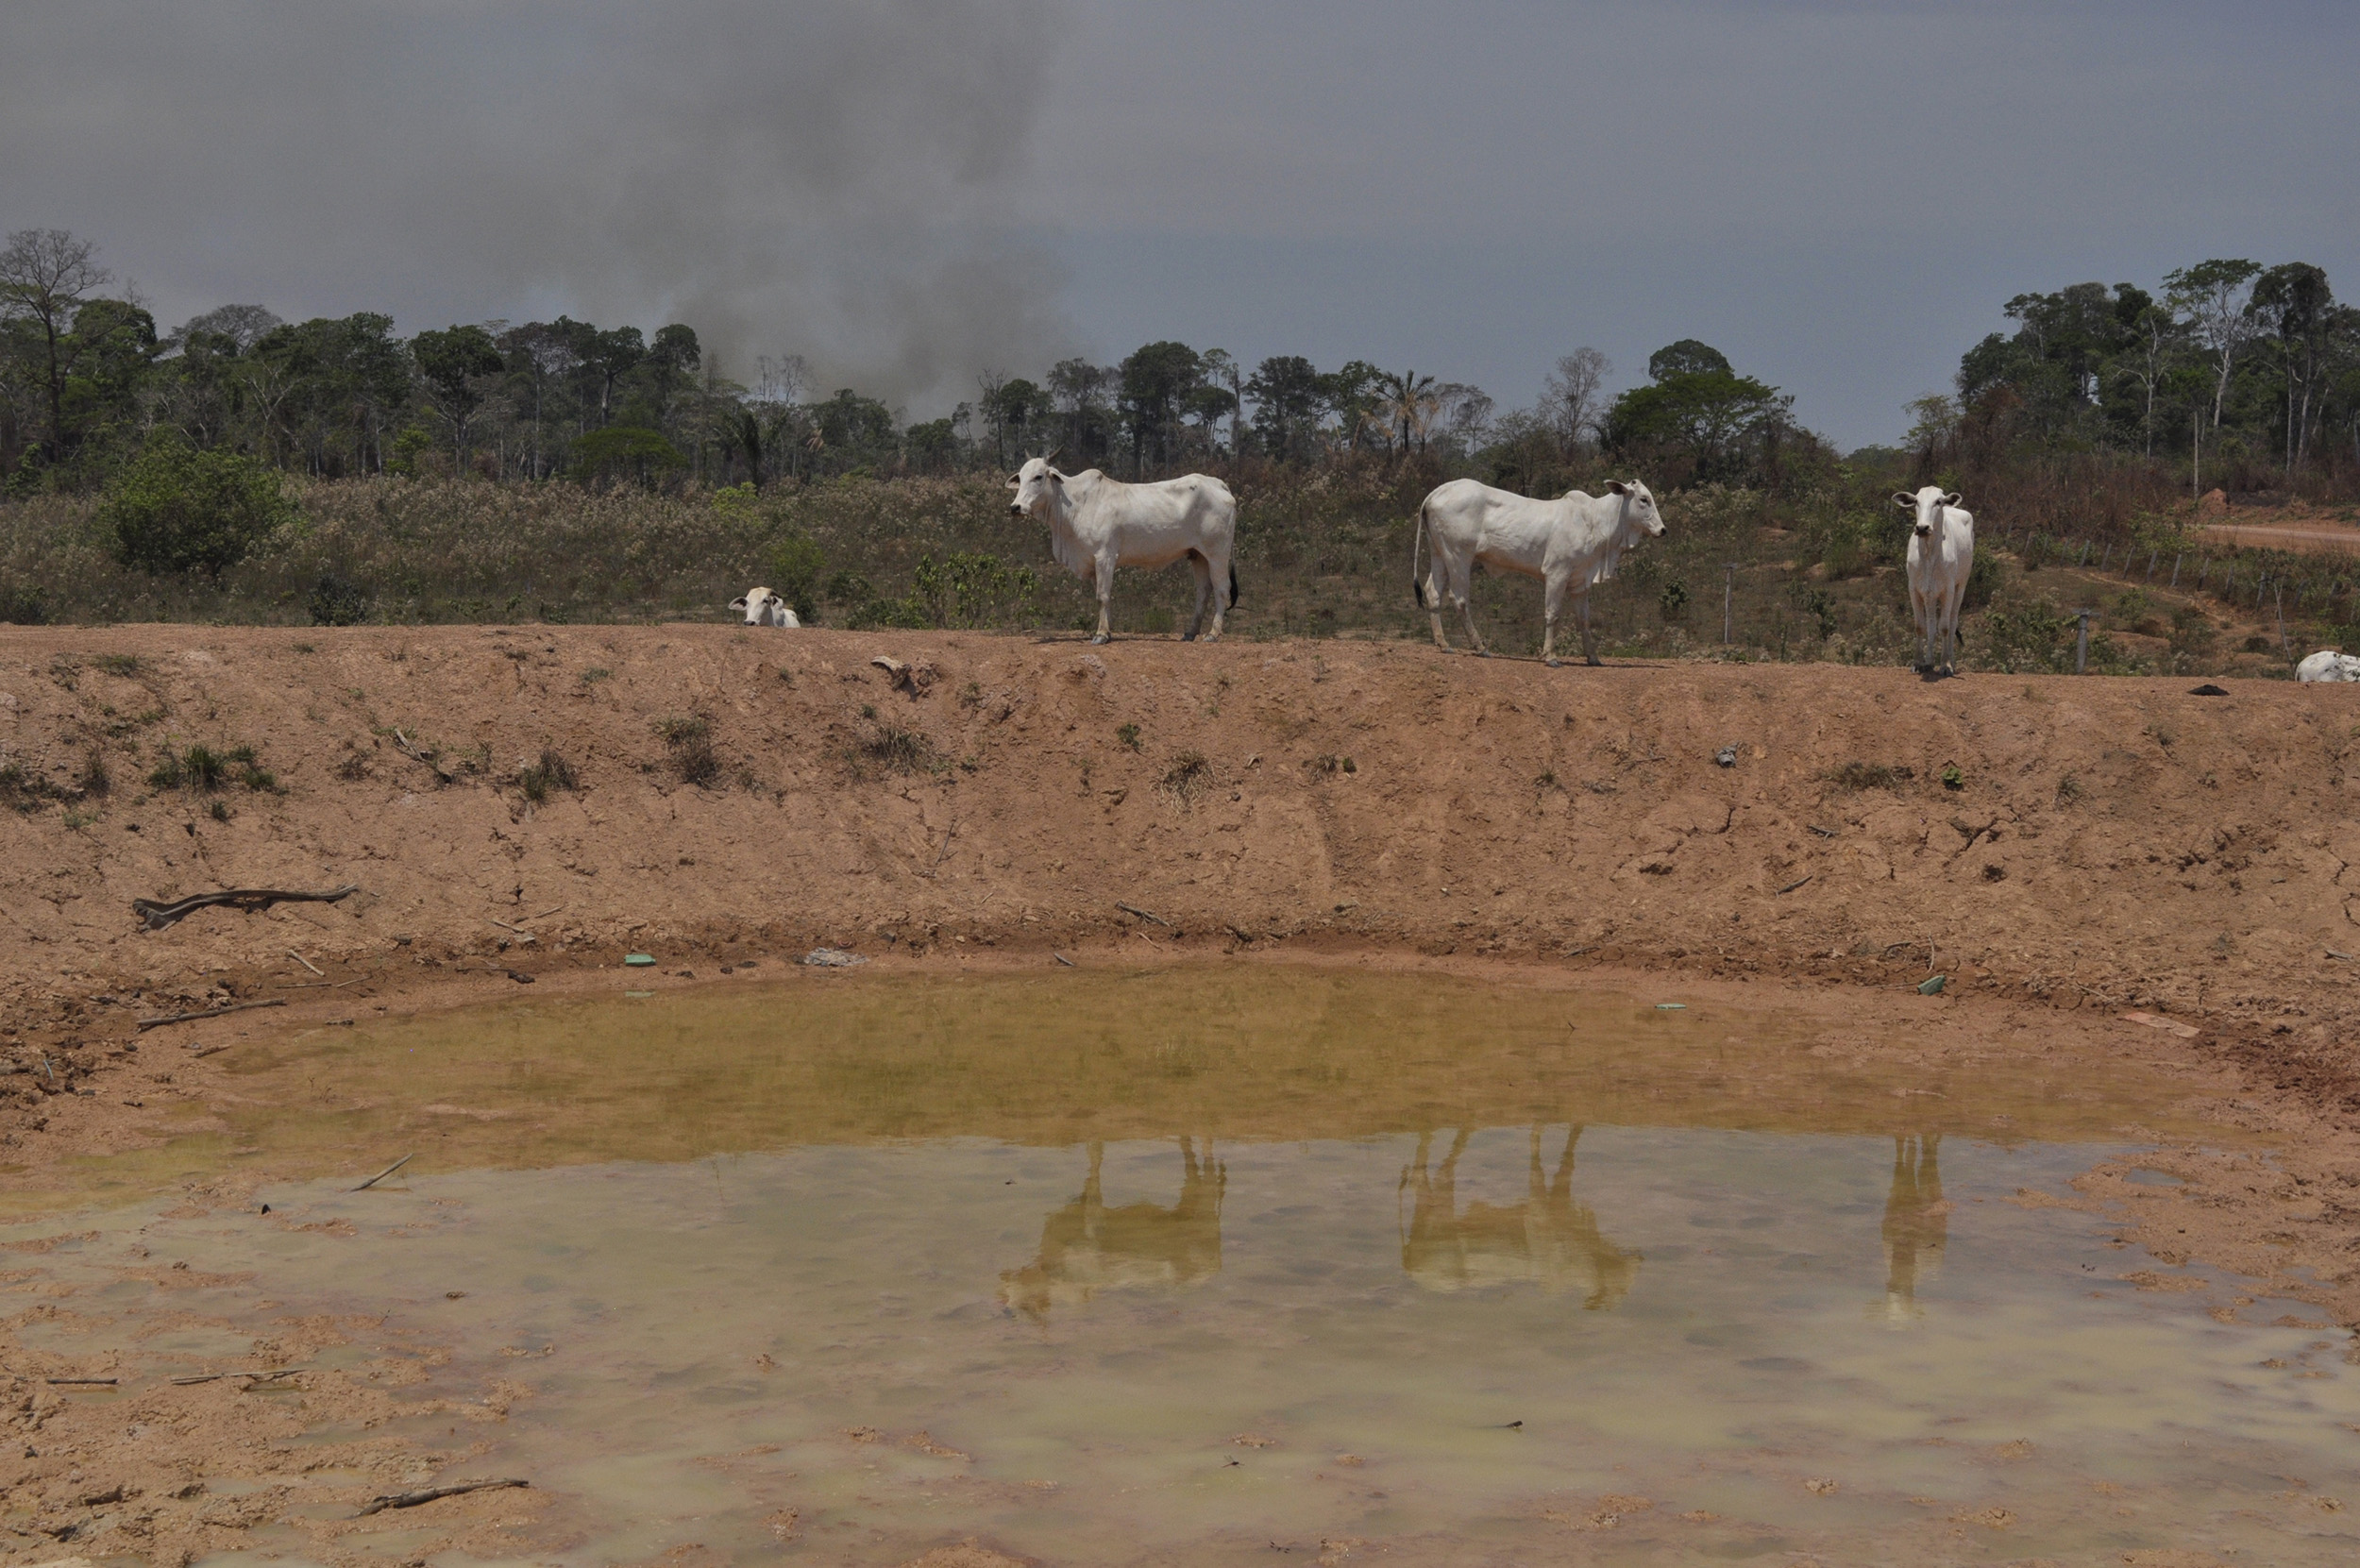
[(1942, 553), (1097, 524), (2328, 664), (764, 607), (1573, 542)]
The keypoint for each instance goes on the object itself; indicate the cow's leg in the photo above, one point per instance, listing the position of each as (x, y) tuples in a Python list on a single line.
[(1106, 598), (1552, 600), (1435, 577), (1220, 574), (1204, 570), (1589, 637), (1950, 626), (1462, 589)]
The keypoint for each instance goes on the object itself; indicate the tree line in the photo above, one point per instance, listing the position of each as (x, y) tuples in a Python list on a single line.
[(2228, 366)]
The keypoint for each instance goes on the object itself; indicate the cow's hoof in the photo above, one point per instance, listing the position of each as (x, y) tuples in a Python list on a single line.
[(1483, 652), (1188, 637), (1556, 663), (1101, 640)]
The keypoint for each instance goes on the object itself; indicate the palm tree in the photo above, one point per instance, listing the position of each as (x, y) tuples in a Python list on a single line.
[(1407, 402)]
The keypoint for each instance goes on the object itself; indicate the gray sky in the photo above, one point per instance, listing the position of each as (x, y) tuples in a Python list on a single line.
[(1840, 197)]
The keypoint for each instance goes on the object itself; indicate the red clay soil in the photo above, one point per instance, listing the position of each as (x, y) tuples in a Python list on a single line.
[(2062, 850)]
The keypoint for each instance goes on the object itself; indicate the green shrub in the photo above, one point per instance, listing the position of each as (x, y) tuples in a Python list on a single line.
[(180, 509), (335, 602), (795, 563), (2018, 636), (625, 451)]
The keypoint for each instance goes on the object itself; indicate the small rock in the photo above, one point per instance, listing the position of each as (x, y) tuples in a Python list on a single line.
[(1727, 756), (832, 958)]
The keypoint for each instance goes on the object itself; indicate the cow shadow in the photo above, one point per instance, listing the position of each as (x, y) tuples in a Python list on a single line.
[(1086, 1247), (1551, 1239), (1916, 1226)]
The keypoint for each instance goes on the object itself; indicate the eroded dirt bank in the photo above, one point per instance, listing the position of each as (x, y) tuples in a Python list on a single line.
[(2109, 845)]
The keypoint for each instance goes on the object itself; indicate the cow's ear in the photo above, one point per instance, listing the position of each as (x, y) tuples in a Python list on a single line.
[(1617, 487), (1015, 481), (737, 604), (1903, 498), (1057, 478), (1951, 499)]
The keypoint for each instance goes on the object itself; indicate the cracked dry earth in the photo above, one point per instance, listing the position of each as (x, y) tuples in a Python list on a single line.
[(2064, 851)]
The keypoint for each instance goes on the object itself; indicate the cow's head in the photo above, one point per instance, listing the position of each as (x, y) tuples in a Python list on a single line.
[(1039, 489), (1927, 504), (1641, 520), (753, 604)]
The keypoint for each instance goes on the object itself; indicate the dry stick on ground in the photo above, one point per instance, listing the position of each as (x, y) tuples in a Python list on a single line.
[(325, 985), (107, 1382), (217, 1376), (307, 963), (1133, 909), (428, 1494), (387, 1172), (1791, 886), (160, 914), (210, 1012), (1824, 833)]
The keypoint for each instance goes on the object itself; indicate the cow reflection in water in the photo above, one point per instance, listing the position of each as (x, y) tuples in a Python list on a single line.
[(1549, 1237), (1086, 1247), (1917, 1223)]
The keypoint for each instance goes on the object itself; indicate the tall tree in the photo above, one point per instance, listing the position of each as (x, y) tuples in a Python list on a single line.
[(452, 365), (1156, 378), (2296, 303), (1288, 393), (46, 275), (1573, 396), (2217, 297)]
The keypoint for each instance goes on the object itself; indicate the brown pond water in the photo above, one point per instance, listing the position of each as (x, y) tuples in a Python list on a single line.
[(1202, 1266)]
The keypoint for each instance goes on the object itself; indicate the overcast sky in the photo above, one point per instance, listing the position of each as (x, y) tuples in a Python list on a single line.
[(1840, 197)]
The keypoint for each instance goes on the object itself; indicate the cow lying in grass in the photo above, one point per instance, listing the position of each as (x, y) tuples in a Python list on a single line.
[(1942, 553), (1571, 544), (762, 607)]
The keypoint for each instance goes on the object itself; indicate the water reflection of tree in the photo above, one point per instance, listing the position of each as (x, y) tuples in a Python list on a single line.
[(1086, 1247), (1917, 1223), (1549, 1237)]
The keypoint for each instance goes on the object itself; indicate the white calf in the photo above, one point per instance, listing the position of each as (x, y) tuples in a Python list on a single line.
[(2328, 664), (1942, 552), (764, 607)]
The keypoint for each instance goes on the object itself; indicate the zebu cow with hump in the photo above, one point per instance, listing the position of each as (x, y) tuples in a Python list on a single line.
[(1942, 553), (1571, 544), (1097, 524)]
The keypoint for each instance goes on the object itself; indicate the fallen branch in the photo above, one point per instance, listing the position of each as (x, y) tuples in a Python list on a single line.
[(387, 1172), (1791, 886), (79, 1382), (416, 753), (1063, 959), (210, 1012), (1133, 909), (217, 1376), (307, 963), (325, 984), (1824, 833), (412, 1499), (159, 915)]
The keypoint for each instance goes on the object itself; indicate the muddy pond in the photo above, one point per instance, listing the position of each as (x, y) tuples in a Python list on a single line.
[(1252, 1264)]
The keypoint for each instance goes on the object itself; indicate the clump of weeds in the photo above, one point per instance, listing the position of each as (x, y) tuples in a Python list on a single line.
[(550, 772), (688, 747), (1870, 775)]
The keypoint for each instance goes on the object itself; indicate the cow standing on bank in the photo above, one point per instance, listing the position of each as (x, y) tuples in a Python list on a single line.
[(1942, 553), (1097, 524), (1572, 544)]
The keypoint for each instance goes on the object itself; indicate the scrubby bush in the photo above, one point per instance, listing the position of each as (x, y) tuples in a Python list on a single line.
[(176, 509), (2021, 634)]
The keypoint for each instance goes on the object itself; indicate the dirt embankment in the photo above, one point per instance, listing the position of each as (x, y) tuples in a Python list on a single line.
[(2073, 842)]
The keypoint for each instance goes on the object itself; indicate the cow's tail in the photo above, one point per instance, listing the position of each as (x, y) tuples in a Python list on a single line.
[(1233, 584), (1417, 584)]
